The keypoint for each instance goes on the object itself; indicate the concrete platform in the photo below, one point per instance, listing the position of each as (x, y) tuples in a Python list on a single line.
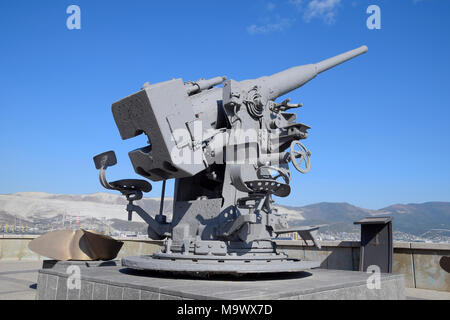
[(423, 294), (18, 279), (119, 283)]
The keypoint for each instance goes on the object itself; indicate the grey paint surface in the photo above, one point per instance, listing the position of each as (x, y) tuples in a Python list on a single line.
[(227, 148)]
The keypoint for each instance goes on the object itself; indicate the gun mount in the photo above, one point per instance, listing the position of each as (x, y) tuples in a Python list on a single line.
[(227, 148)]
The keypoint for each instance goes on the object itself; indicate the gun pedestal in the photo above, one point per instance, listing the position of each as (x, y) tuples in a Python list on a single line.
[(222, 145)]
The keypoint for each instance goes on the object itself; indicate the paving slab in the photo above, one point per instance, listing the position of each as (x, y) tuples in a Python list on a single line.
[(18, 279), (423, 294)]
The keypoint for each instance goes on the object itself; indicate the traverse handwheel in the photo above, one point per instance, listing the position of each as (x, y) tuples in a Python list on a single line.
[(299, 155)]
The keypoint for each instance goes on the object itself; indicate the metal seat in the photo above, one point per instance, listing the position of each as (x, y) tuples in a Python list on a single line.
[(132, 189), (131, 185), (125, 186), (269, 186)]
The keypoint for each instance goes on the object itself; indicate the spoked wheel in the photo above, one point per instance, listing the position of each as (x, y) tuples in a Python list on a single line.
[(273, 173), (300, 155)]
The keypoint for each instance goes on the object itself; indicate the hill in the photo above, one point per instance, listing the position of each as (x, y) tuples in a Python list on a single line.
[(46, 209)]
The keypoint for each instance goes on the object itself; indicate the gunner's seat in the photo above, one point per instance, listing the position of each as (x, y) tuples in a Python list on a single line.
[(128, 187), (260, 185)]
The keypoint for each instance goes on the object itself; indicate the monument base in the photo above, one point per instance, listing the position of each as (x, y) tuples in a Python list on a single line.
[(114, 282)]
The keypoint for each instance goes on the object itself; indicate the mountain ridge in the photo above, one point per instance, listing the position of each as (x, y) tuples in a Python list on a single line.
[(412, 218)]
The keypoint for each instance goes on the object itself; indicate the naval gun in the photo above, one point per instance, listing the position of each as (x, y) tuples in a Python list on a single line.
[(228, 149)]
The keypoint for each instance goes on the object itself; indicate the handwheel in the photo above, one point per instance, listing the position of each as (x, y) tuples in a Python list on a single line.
[(280, 173), (300, 156)]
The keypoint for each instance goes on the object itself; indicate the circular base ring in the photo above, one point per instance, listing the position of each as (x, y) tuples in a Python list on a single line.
[(211, 267)]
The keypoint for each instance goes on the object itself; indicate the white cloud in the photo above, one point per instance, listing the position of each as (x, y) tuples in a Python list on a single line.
[(322, 9), (325, 10), (280, 25)]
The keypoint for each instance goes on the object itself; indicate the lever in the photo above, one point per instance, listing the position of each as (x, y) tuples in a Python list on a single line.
[(285, 105)]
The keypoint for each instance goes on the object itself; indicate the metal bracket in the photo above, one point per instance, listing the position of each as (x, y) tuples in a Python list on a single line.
[(239, 222), (306, 233), (161, 229)]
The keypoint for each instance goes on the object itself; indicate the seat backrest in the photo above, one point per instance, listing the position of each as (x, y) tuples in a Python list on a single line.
[(105, 159)]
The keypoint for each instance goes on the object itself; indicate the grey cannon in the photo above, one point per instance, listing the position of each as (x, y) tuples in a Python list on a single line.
[(229, 149)]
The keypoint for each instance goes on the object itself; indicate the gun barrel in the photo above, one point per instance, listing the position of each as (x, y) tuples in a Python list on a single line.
[(333, 62), (285, 81)]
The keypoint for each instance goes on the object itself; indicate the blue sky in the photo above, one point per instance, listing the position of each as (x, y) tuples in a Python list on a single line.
[(380, 123)]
